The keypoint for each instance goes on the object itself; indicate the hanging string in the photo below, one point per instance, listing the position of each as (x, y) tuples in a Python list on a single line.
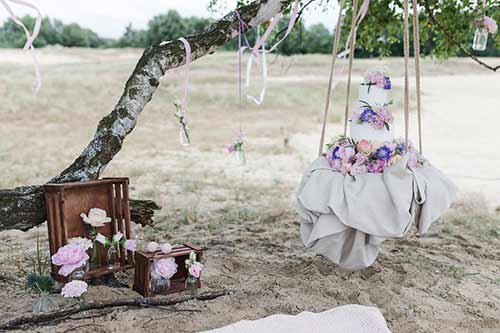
[(30, 38), (416, 51), (335, 50), (351, 57), (240, 89), (406, 59)]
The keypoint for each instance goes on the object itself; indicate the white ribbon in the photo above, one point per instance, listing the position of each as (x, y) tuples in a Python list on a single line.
[(263, 65), (29, 37)]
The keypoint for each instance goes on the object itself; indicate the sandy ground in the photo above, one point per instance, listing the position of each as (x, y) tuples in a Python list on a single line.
[(447, 281)]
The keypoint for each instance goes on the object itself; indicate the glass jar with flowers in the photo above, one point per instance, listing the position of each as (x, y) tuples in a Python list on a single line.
[(194, 271), (118, 240), (74, 290), (236, 148), (484, 26), (162, 271)]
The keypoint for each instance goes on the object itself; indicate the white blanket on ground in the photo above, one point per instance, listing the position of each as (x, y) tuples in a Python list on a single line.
[(346, 218), (343, 319)]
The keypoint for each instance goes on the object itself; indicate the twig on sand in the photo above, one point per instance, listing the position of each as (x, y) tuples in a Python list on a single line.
[(133, 302), (71, 329)]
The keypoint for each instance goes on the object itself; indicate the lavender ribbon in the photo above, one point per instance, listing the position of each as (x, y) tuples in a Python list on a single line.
[(361, 15), (187, 47), (30, 38)]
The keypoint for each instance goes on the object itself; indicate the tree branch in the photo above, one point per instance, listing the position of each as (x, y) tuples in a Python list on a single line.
[(23, 208), (139, 301), (452, 39)]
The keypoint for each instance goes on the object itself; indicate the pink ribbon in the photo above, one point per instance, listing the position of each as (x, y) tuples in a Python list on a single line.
[(187, 47), (263, 65), (30, 38)]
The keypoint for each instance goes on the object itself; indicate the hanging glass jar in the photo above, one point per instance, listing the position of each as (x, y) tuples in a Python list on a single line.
[(43, 304), (480, 39), (158, 284), (79, 272), (184, 136), (113, 258), (240, 157)]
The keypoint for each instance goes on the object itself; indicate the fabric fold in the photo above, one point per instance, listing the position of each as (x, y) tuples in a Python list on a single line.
[(346, 218)]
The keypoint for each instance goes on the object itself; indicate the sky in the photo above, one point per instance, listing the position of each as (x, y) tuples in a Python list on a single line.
[(110, 17)]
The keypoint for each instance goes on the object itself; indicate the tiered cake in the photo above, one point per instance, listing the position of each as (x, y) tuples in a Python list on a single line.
[(372, 120)]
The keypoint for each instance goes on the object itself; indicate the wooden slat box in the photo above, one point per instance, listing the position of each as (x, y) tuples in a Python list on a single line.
[(65, 202), (144, 260)]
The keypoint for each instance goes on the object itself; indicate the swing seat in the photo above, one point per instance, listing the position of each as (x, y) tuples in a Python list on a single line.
[(346, 218)]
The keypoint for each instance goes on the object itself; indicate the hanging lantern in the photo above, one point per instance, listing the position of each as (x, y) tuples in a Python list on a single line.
[(485, 26)]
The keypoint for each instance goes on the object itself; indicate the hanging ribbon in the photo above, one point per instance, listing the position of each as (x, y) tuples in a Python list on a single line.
[(30, 38), (359, 17), (263, 65), (182, 108)]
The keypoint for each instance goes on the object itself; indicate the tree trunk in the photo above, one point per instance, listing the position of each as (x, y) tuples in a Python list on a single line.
[(24, 207)]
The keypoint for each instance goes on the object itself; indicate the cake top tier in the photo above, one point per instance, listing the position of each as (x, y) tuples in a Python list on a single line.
[(378, 78)]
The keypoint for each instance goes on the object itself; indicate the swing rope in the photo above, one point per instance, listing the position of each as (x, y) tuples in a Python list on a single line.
[(351, 58), (406, 59), (335, 51), (416, 55)]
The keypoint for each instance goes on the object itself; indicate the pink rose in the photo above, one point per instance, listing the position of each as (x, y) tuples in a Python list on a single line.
[(130, 245), (376, 166), (69, 258), (490, 24), (365, 147), (358, 169), (165, 268), (195, 270)]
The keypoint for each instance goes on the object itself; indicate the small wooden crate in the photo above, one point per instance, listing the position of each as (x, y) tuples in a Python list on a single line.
[(65, 202), (144, 260)]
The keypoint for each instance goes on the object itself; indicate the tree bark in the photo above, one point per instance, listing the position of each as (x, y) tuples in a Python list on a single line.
[(24, 207)]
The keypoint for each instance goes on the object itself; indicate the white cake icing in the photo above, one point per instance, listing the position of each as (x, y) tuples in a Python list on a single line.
[(373, 96)]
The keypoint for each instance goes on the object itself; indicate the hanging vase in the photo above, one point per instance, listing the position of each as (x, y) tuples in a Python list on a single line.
[(480, 39), (43, 304), (79, 273), (240, 157), (159, 285), (113, 259), (184, 136)]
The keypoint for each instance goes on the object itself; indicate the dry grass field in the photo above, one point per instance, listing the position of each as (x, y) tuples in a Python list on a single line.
[(447, 281)]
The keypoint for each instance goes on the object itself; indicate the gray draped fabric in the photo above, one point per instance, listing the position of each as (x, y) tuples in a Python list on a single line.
[(346, 218)]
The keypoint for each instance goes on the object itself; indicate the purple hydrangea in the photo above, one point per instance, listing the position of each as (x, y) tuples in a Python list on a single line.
[(383, 153), (387, 83), (368, 115)]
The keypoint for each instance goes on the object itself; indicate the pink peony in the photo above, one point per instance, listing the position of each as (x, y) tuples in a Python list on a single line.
[(360, 158), (346, 153), (69, 258), (335, 164), (195, 270), (376, 166), (376, 78), (490, 24), (74, 289), (379, 123), (130, 245), (358, 169), (365, 147), (165, 268), (345, 168)]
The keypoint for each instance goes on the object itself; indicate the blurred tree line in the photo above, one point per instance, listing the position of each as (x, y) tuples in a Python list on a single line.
[(303, 40)]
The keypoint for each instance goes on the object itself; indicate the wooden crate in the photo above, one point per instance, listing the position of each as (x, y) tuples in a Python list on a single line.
[(144, 260), (65, 202)]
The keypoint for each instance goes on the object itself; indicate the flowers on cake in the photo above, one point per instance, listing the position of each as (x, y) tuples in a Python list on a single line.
[(378, 116), (378, 78), (349, 157)]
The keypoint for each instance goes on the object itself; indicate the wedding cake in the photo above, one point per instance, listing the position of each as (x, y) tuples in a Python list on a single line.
[(372, 120)]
